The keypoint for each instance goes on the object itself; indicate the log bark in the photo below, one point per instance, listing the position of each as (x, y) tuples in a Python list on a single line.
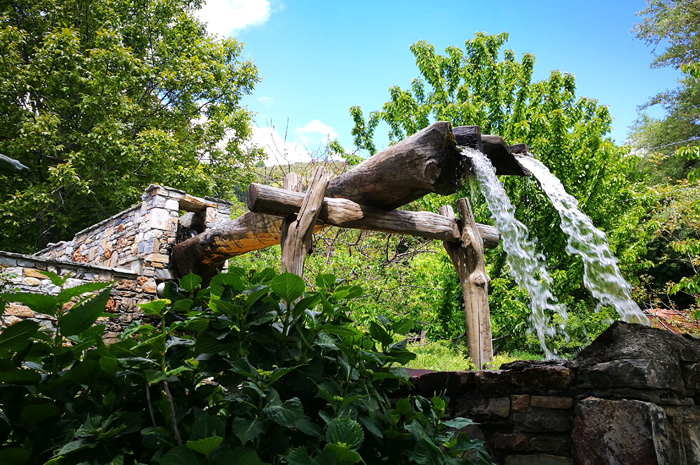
[(290, 182), (428, 161), (348, 214), (468, 259), (297, 234), (206, 253), (495, 148)]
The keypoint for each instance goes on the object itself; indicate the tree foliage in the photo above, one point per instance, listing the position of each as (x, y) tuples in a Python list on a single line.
[(254, 369), (99, 99), (665, 197), (486, 85)]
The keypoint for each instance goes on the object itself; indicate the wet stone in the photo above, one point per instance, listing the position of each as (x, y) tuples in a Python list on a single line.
[(543, 420), (622, 432)]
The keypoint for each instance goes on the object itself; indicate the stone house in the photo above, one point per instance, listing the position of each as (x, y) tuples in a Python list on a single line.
[(131, 249)]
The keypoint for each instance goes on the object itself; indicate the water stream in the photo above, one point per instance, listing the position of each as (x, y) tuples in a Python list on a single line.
[(602, 277), (526, 265)]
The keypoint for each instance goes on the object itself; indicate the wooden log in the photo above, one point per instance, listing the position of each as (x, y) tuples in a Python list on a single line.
[(290, 182), (297, 234), (348, 214), (468, 259), (498, 152), (206, 253), (428, 161)]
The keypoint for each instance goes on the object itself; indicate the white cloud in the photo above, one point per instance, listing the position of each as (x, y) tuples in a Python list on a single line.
[(318, 127), (279, 151), (266, 100), (307, 143), (227, 16)]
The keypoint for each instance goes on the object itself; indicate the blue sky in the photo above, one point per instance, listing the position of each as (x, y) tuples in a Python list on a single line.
[(317, 58)]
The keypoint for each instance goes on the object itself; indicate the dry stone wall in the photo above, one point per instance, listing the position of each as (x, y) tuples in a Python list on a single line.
[(140, 238), (25, 275), (631, 398), (131, 249)]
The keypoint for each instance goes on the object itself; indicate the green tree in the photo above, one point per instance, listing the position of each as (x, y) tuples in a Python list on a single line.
[(666, 196), (486, 85), (101, 98)]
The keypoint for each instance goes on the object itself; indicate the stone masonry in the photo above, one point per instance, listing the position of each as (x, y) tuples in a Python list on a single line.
[(631, 398), (131, 249), (140, 238)]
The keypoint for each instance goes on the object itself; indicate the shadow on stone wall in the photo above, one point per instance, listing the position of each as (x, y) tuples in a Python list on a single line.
[(629, 398)]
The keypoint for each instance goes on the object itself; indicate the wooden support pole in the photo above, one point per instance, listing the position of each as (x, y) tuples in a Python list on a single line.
[(297, 235), (348, 214), (468, 259), (291, 183)]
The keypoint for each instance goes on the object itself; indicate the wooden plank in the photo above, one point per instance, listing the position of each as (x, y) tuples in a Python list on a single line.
[(298, 233), (349, 214), (468, 259)]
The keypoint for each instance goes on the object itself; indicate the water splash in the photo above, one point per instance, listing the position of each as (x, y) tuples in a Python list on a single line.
[(601, 276), (526, 265)]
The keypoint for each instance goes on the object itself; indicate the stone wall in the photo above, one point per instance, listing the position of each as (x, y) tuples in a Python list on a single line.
[(631, 397), (131, 249), (140, 238), (129, 289)]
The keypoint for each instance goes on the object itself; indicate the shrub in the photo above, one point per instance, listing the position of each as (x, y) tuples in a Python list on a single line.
[(253, 369)]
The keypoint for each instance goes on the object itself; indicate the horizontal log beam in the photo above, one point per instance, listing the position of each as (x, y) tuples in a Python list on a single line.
[(348, 214)]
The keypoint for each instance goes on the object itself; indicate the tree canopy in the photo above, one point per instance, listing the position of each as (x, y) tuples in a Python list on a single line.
[(485, 84), (99, 99)]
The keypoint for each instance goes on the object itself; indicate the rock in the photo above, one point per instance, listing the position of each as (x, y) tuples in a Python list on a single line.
[(622, 432), (640, 374), (630, 341), (553, 402), (542, 420), (470, 407), (519, 402), (540, 375)]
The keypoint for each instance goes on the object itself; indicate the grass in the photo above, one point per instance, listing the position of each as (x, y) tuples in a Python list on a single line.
[(442, 356)]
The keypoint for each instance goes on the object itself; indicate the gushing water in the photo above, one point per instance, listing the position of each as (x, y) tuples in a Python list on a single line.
[(601, 275), (526, 266)]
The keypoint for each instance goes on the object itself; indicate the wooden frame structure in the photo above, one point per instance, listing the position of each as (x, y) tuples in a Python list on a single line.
[(366, 197)]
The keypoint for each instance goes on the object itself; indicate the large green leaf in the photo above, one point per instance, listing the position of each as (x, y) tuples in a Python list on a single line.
[(221, 280), (82, 316), (342, 454), (15, 456), (286, 414), (288, 286), (19, 376), (299, 456), (155, 307), (345, 431), (190, 282), (181, 455), (17, 336), (247, 429), (205, 446), (239, 456), (68, 293), (40, 303)]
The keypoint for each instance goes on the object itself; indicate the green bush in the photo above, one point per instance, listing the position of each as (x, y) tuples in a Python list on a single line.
[(253, 369)]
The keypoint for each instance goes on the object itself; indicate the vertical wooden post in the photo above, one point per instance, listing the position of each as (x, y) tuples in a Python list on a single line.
[(296, 235), (468, 259)]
